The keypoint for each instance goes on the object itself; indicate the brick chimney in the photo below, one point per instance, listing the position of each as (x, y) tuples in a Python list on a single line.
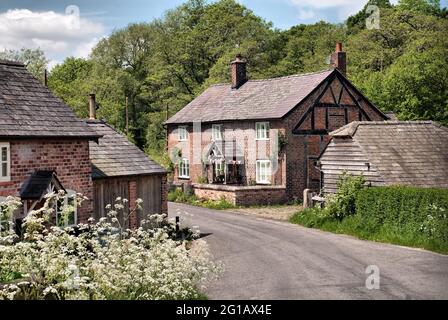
[(92, 107), (339, 59), (238, 71)]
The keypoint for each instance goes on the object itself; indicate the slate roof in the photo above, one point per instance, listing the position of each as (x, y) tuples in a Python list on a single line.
[(404, 153), (28, 109), (256, 99), (37, 185), (115, 156)]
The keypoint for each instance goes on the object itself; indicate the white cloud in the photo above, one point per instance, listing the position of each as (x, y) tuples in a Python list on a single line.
[(58, 35), (336, 10), (305, 15)]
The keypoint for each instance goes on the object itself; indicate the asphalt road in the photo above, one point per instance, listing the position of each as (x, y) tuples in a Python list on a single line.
[(265, 259)]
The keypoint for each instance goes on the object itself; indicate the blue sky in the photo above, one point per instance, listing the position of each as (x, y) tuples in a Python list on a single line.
[(46, 23)]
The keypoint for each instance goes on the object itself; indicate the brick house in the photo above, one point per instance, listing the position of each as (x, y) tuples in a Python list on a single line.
[(44, 147), (256, 142), (411, 153)]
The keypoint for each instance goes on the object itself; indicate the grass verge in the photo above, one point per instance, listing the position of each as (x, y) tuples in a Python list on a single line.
[(353, 226)]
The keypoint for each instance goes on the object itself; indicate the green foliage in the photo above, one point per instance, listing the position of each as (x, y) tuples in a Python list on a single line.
[(406, 210), (179, 196), (422, 6), (202, 180), (308, 47), (357, 22), (342, 204), (34, 59), (402, 215)]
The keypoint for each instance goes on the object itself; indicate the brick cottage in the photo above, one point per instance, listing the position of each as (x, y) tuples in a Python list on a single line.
[(258, 141), (44, 147)]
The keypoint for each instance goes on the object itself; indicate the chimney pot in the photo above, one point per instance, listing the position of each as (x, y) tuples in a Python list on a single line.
[(338, 47), (92, 106), (339, 59), (238, 72)]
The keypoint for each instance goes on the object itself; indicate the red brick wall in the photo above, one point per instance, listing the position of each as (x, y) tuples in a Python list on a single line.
[(133, 218), (164, 195), (253, 150), (69, 158), (246, 196)]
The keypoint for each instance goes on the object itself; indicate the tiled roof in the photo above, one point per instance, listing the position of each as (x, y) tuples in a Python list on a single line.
[(404, 153), (258, 99), (29, 109), (115, 156)]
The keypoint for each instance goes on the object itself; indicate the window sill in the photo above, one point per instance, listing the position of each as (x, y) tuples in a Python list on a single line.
[(264, 183), (263, 139), (183, 178), (6, 182)]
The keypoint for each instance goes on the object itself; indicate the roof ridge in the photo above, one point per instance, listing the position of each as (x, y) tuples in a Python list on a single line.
[(297, 75), (11, 63), (351, 128), (395, 122)]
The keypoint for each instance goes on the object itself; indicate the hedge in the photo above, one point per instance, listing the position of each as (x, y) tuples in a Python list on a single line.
[(404, 210)]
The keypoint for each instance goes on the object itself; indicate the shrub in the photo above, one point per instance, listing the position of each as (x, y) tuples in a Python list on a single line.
[(403, 215), (406, 210), (342, 204), (100, 260), (221, 204), (202, 180), (182, 197)]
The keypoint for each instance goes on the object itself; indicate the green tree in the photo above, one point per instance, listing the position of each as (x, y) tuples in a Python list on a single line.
[(422, 6), (357, 22), (309, 47)]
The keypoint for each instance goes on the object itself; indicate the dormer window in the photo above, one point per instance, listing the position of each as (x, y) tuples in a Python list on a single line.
[(217, 132), (5, 162), (183, 133)]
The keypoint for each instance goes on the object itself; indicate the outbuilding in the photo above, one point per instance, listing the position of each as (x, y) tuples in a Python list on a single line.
[(387, 153), (120, 169)]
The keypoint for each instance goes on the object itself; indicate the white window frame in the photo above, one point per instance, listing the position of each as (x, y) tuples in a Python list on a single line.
[(263, 177), (184, 169), (69, 196), (217, 132), (6, 178), (220, 167), (262, 131), (182, 132)]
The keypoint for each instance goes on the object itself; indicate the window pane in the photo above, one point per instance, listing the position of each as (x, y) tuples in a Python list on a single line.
[(4, 170), (4, 154), (183, 133)]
